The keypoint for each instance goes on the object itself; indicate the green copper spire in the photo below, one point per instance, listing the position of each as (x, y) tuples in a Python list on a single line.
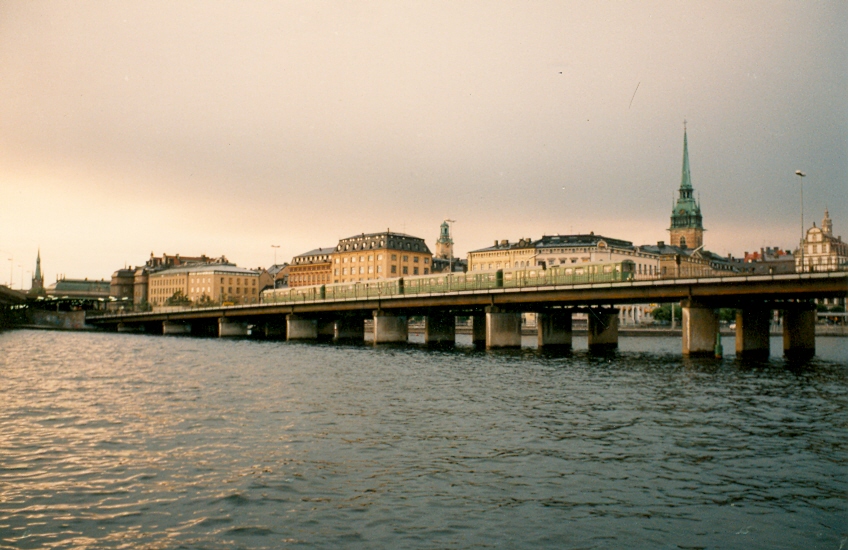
[(686, 222), (686, 179)]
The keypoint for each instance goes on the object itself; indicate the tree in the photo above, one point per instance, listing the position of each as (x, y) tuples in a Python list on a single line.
[(178, 299)]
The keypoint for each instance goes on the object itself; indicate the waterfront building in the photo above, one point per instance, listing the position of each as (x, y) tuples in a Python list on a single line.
[(204, 283), (821, 250), (503, 255), (380, 255), (676, 261), (279, 275), (311, 268), (557, 250), (122, 285), (79, 289), (770, 260), (687, 229)]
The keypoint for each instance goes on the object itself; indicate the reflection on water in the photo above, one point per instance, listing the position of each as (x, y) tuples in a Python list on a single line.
[(139, 441)]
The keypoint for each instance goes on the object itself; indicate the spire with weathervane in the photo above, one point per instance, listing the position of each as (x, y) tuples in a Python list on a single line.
[(687, 230), (37, 287)]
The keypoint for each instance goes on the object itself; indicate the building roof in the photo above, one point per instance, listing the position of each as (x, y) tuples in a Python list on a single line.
[(384, 240), (79, 288), (313, 256), (208, 268), (582, 241)]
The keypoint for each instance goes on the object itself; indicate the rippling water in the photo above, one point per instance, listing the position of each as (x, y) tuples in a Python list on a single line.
[(131, 441)]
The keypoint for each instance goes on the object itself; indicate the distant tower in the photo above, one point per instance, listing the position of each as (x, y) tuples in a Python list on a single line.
[(444, 245), (827, 223), (687, 230), (37, 286)]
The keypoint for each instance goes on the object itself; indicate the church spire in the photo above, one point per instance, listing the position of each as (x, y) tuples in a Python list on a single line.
[(687, 230), (686, 177)]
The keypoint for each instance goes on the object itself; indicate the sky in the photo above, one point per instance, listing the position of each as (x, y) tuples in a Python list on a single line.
[(228, 128)]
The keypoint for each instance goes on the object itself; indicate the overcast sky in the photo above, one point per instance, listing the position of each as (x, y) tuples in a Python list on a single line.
[(226, 127)]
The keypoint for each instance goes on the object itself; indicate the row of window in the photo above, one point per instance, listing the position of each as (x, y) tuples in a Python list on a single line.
[(353, 259)]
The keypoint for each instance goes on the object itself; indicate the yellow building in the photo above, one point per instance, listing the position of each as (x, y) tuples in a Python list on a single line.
[(210, 283), (311, 268), (380, 255)]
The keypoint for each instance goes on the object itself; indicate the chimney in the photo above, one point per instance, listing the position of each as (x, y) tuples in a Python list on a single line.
[(660, 244), (505, 242)]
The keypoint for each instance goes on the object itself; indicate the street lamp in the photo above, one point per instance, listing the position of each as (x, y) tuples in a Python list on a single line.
[(11, 271), (275, 247), (801, 175)]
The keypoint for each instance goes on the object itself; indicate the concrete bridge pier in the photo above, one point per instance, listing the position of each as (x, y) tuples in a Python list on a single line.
[(175, 327), (700, 328), (298, 328), (478, 330), (603, 329), (228, 328), (326, 329), (554, 329), (503, 328), (390, 328), (123, 327), (440, 328), (752, 331), (799, 331), (349, 328)]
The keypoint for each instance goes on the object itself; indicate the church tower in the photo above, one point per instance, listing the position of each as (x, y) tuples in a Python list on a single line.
[(827, 223), (37, 287), (687, 230), (444, 244)]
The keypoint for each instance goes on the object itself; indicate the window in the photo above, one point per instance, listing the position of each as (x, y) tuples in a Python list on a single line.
[(336, 271), (344, 271), (394, 269), (426, 261), (370, 258), (370, 269), (362, 270), (415, 259), (379, 269), (405, 270), (426, 271), (415, 271), (394, 256), (379, 256), (406, 258)]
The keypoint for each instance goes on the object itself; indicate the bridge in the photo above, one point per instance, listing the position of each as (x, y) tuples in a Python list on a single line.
[(496, 313)]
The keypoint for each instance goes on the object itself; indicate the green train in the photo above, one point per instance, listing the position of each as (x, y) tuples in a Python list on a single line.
[(440, 283)]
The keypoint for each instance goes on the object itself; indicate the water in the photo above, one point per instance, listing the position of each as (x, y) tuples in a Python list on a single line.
[(111, 441)]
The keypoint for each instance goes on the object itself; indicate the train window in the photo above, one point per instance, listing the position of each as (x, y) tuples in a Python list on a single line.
[(607, 269)]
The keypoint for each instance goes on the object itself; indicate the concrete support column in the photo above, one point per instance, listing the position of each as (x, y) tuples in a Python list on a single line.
[(799, 332), (390, 328), (227, 327), (440, 328), (603, 329), (752, 331), (554, 329), (700, 327), (298, 328), (123, 327), (175, 327), (478, 329), (503, 329), (349, 328), (326, 329)]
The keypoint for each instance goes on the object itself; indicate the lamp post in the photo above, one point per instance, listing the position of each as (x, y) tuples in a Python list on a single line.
[(11, 271), (275, 247), (801, 175)]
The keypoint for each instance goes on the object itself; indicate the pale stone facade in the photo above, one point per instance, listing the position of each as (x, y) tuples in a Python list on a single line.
[(503, 255), (380, 255), (821, 250), (213, 282)]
